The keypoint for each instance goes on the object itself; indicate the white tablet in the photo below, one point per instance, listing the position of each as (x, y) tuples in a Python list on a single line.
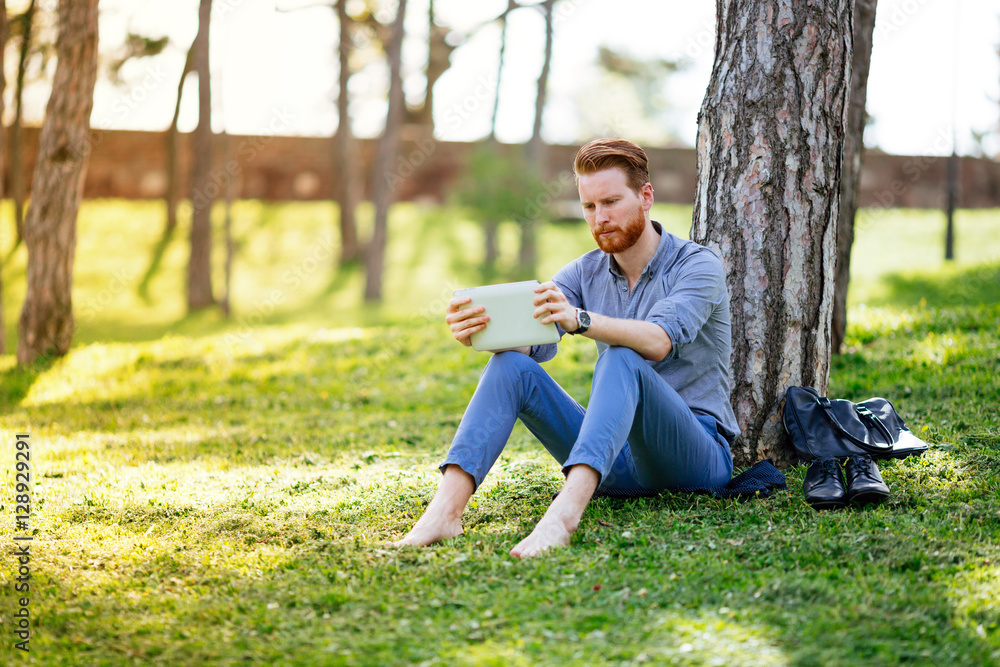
[(511, 309)]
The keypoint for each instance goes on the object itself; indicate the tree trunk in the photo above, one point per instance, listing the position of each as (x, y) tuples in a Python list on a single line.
[(492, 253), (46, 324), (854, 145), (16, 147), (3, 149), (536, 150), (382, 172), (492, 248), (344, 149), (230, 189), (511, 6), (770, 140), (173, 183), (203, 190)]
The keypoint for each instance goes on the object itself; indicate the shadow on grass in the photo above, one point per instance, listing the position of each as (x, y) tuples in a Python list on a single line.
[(16, 382), (770, 582), (968, 287)]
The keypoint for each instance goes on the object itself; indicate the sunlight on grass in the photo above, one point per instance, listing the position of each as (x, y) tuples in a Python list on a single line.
[(211, 491), (715, 639)]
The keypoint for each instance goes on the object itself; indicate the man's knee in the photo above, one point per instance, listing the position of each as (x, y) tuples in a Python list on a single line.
[(509, 365), (621, 356)]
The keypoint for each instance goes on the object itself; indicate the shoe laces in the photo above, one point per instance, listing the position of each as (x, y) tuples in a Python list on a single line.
[(830, 465), (861, 466)]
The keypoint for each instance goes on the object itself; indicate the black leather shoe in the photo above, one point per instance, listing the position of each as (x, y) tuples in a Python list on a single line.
[(824, 485), (864, 482)]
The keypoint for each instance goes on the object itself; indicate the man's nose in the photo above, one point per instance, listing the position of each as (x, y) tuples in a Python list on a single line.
[(601, 215)]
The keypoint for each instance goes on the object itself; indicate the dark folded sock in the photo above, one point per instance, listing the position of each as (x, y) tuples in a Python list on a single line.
[(758, 481)]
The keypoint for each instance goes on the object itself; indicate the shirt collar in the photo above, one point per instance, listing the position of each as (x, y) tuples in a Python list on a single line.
[(654, 263)]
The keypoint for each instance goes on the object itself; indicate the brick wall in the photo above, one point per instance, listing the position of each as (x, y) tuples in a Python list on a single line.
[(132, 165)]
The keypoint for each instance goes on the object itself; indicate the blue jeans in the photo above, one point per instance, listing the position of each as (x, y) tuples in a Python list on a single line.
[(637, 432)]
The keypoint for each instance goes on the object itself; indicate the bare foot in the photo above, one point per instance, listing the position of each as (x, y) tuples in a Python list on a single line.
[(550, 532), (429, 531)]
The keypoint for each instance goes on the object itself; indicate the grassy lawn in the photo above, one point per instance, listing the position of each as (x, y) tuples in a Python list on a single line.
[(219, 492)]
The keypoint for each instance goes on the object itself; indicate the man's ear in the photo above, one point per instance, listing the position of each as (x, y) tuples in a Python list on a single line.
[(646, 194)]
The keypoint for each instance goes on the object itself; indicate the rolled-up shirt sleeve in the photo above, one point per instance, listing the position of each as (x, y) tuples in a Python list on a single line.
[(698, 287)]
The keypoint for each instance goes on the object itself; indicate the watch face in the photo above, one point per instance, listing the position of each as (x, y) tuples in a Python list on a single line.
[(584, 318)]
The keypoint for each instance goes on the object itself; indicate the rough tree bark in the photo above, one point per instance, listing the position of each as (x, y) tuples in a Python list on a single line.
[(536, 149), (344, 152), (850, 179), (770, 139), (46, 324), (386, 152), (203, 190), (3, 148)]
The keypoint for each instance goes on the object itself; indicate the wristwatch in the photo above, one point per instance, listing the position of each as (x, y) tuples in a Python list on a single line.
[(582, 322)]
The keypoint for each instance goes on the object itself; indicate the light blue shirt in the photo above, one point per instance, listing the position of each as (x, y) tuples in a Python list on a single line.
[(682, 289)]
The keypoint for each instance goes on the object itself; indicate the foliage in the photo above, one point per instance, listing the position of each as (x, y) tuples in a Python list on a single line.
[(499, 185), (220, 493)]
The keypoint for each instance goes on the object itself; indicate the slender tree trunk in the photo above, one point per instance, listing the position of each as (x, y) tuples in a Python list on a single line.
[(854, 146), (228, 229), (345, 150), (492, 250), (46, 324), (382, 172), (950, 205), (511, 6), (203, 190), (536, 150), (173, 182), (3, 150), (173, 194), (16, 145), (770, 143)]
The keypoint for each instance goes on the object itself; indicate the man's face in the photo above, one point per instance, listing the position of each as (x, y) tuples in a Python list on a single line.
[(615, 214)]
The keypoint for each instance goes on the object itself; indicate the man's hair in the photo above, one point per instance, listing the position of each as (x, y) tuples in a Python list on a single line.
[(601, 154)]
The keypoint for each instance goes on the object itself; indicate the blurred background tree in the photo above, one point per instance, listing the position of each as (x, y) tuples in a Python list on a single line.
[(46, 325), (497, 186)]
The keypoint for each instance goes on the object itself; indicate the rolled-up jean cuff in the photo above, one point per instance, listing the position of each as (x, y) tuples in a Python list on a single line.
[(476, 481), (590, 463)]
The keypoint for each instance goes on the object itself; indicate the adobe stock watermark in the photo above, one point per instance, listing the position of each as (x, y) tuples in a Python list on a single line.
[(319, 255), (222, 8), (246, 152), (23, 536), (461, 111), (913, 168), (408, 164), (139, 93), (565, 9), (434, 311), (900, 14), (94, 305)]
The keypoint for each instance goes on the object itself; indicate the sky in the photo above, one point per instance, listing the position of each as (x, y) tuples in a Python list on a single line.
[(935, 70)]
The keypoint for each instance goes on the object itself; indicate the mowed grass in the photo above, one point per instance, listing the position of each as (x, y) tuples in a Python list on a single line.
[(219, 492)]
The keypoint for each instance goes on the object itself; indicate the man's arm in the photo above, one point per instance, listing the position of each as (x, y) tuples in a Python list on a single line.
[(648, 339)]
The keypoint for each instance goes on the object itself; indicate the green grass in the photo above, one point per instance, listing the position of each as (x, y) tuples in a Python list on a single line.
[(213, 492)]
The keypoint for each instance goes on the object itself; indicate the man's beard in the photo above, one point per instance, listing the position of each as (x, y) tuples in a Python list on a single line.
[(624, 238)]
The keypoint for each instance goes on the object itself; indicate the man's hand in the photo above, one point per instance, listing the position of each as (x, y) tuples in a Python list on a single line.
[(551, 306), (465, 321)]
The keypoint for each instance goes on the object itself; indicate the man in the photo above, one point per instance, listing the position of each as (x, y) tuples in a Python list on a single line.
[(659, 415)]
